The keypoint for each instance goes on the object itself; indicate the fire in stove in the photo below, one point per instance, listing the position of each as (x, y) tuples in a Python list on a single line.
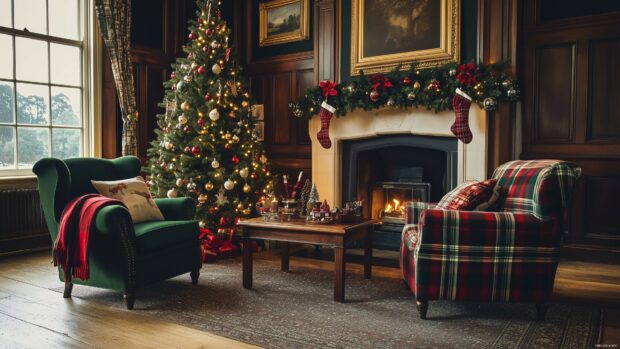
[(394, 208)]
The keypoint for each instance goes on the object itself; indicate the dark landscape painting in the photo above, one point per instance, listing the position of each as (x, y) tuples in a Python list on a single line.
[(399, 26), (284, 19)]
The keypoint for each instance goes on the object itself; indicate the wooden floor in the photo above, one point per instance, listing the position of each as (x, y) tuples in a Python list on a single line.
[(33, 316)]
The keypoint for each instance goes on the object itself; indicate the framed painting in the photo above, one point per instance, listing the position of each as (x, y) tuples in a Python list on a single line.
[(386, 33), (283, 21)]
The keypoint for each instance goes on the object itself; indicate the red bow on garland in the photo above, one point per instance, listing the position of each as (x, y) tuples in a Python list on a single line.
[(466, 74), (329, 88), (380, 81)]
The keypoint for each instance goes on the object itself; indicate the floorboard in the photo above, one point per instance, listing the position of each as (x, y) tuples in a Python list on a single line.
[(31, 315)]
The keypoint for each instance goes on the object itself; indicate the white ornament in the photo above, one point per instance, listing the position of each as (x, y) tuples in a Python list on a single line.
[(244, 172), (229, 185), (172, 193), (214, 115), (179, 182), (215, 163), (182, 119), (216, 69)]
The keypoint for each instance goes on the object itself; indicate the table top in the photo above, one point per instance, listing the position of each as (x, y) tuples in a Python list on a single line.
[(302, 225)]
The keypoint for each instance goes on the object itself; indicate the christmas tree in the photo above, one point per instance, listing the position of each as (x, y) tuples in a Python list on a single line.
[(206, 147)]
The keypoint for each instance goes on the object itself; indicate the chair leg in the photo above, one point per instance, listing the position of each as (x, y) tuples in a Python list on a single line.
[(541, 310), (68, 289), (422, 306), (129, 299), (194, 274)]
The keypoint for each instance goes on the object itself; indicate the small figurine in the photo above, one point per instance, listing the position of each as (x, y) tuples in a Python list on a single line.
[(324, 206)]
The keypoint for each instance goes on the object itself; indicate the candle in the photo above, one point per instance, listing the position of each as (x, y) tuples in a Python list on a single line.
[(274, 205)]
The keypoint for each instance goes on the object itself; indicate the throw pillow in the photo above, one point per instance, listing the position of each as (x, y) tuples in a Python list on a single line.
[(134, 193), (470, 196)]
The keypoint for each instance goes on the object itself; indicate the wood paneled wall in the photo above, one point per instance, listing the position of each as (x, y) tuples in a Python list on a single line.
[(275, 81), (571, 79)]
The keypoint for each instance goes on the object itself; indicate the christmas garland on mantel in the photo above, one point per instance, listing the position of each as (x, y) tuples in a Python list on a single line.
[(431, 88)]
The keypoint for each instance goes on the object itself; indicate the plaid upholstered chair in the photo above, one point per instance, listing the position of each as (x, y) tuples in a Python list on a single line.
[(510, 255)]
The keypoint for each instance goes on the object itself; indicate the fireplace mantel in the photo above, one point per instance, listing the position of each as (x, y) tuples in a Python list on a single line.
[(327, 163)]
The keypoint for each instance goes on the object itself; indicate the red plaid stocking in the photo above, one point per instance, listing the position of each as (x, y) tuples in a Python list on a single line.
[(326, 113), (461, 103)]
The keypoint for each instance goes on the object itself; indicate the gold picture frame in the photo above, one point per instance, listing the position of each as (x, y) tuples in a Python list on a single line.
[(390, 27), (276, 31)]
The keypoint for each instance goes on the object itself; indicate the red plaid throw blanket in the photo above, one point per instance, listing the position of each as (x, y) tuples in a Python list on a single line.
[(71, 245)]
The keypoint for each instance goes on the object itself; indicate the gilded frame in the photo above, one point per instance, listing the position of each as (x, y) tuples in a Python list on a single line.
[(299, 35), (449, 50)]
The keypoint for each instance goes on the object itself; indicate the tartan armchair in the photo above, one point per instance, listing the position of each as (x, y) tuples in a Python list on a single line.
[(510, 255)]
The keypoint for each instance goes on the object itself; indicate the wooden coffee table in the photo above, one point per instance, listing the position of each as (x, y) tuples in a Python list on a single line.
[(337, 235)]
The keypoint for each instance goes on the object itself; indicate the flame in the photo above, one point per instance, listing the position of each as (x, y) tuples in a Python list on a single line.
[(389, 208)]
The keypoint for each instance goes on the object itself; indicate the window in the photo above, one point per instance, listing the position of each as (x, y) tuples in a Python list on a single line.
[(43, 89)]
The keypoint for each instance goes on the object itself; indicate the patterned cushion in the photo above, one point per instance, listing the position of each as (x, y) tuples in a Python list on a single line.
[(470, 196), (134, 193)]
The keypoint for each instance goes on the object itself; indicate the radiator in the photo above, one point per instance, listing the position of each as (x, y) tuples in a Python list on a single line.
[(22, 224)]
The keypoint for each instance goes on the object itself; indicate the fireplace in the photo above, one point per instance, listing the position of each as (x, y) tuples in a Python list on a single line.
[(387, 171)]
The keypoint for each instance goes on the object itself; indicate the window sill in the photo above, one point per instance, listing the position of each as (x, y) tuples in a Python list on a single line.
[(18, 182)]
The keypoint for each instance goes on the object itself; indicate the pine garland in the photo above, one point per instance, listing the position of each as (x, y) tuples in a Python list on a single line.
[(432, 89)]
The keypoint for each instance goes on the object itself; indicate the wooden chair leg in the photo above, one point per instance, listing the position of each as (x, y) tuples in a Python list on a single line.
[(422, 306), (194, 274), (541, 310), (129, 299), (68, 289)]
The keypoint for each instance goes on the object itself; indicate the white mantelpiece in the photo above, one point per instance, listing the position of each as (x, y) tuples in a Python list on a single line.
[(326, 163)]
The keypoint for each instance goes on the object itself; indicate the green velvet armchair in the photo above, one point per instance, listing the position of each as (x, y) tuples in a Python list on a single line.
[(122, 256)]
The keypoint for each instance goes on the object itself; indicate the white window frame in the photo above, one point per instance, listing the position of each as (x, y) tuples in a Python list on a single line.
[(90, 85)]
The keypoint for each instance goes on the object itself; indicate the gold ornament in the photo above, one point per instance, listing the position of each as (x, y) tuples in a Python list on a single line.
[(202, 198), (209, 186), (229, 185), (169, 145), (182, 119), (185, 106), (215, 163), (247, 211), (245, 104), (240, 206), (235, 138), (228, 136), (179, 182), (216, 69), (247, 188), (243, 172), (416, 85)]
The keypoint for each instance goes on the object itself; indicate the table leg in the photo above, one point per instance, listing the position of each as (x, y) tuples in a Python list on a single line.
[(368, 253), (339, 274), (247, 262), (285, 255)]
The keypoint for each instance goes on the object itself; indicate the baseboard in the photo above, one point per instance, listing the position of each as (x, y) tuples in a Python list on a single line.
[(25, 244), (590, 253)]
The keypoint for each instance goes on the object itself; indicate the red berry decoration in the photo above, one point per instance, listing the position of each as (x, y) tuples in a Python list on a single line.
[(374, 96), (205, 49), (195, 150), (208, 97), (187, 149), (227, 146), (209, 31), (193, 36), (407, 81), (186, 129), (253, 175), (200, 122), (201, 70), (166, 129), (235, 160)]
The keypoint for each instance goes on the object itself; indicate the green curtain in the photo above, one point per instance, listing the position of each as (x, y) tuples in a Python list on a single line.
[(114, 18)]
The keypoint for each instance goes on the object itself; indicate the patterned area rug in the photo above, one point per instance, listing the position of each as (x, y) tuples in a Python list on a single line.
[(295, 310)]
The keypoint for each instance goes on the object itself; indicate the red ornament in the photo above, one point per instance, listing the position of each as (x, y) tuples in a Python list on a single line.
[(186, 129), (406, 81), (200, 122), (193, 36), (218, 27), (434, 85), (209, 31), (195, 150), (235, 160), (201, 70), (205, 49), (227, 146), (253, 175), (187, 149), (218, 13), (208, 97), (374, 96)]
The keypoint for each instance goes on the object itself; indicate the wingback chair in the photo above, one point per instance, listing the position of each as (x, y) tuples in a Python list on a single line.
[(509, 255), (122, 256)]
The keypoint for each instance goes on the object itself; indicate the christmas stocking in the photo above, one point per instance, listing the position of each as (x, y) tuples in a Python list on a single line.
[(326, 113), (461, 103)]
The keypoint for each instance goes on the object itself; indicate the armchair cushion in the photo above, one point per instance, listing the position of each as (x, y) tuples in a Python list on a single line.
[(134, 193), (471, 195), (157, 235)]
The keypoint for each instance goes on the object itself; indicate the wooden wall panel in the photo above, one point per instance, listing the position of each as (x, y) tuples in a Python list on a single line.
[(604, 114), (554, 93), (602, 192), (281, 118)]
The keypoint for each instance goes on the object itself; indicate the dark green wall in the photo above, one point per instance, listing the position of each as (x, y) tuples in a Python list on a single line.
[(468, 34), (270, 51)]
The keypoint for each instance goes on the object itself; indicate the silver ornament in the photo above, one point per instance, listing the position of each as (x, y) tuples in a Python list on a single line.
[(390, 102), (411, 96), (489, 103), (511, 93)]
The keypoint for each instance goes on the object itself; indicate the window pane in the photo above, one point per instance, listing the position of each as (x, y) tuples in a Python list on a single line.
[(31, 59), (6, 102), (32, 145), (66, 143), (65, 62), (66, 106), (5, 13), (32, 104), (6, 56), (31, 15), (7, 148), (64, 18)]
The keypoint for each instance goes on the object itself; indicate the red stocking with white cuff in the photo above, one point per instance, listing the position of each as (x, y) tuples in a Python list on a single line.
[(326, 113), (461, 103)]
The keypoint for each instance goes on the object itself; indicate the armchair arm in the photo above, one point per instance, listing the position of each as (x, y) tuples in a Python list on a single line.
[(177, 209), (111, 219)]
